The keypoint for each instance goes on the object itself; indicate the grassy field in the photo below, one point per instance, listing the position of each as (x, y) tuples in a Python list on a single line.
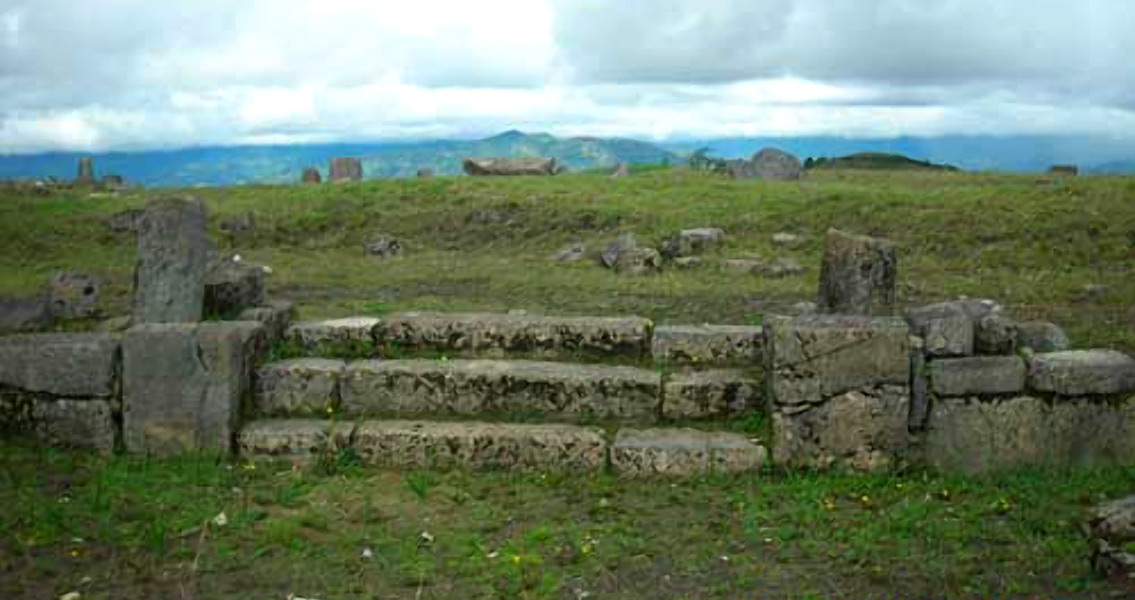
[(1031, 241), (134, 528)]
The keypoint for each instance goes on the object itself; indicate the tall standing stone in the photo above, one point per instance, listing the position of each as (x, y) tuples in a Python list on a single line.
[(346, 169), (856, 270), (311, 175), (173, 258), (86, 171)]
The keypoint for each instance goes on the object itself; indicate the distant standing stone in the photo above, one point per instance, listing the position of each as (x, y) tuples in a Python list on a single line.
[(856, 270), (771, 164), (86, 171), (623, 170), (346, 169), (311, 175), (173, 257), (425, 173)]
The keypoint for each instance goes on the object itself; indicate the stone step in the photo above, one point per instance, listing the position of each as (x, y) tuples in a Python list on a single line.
[(708, 344), (564, 391), (468, 445)]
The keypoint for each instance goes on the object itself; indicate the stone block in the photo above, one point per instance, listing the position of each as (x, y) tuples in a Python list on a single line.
[(174, 254), (973, 436), (978, 375), (470, 387), (919, 385), (85, 424), (856, 271), (946, 328), (298, 387), (1040, 336), (709, 394), (73, 365), (1111, 532), (275, 315), (231, 287), (497, 334), (1093, 433), (345, 337), (1082, 372), (683, 453), (995, 334), (708, 344), (422, 444), (864, 430), (295, 440)]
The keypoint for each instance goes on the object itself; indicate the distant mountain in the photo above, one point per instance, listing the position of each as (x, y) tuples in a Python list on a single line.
[(285, 164), (874, 160), (1117, 167)]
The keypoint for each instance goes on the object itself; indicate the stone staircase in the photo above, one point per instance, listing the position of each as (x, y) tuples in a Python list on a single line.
[(511, 392)]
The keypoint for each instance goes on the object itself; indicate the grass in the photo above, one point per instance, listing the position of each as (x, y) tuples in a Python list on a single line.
[(128, 527), (1031, 241)]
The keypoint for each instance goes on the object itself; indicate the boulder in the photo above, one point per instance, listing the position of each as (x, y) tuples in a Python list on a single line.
[(174, 255), (856, 271), (311, 175), (127, 220), (382, 246), (510, 166), (1040, 336), (73, 295), (769, 164), (946, 328), (345, 169), (86, 174), (231, 287), (690, 241)]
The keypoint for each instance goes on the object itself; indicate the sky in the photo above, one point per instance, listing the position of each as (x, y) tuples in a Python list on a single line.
[(97, 75)]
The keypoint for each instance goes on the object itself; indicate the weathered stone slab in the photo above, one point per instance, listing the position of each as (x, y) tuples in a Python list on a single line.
[(813, 357), (973, 436), (1040, 336), (298, 387), (337, 336), (497, 334), (231, 287), (76, 423), (488, 386), (856, 271), (420, 444), (709, 394), (708, 344), (275, 315), (510, 166), (25, 314), (978, 375), (865, 430), (174, 254), (60, 364), (1093, 433), (683, 452), (946, 328), (1082, 372), (294, 440)]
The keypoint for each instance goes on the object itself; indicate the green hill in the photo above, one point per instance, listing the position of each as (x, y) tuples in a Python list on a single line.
[(874, 160)]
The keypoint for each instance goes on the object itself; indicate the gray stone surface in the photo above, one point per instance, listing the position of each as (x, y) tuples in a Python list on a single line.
[(129, 220), (688, 242), (995, 334), (174, 254), (311, 175), (573, 252), (683, 453), (708, 344), (688, 262), (769, 164), (421, 444), (494, 335), (19, 315), (86, 175), (978, 375), (857, 272), (946, 328), (85, 424), (709, 394), (335, 335), (782, 267), (864, 430), (382, 246), (73, 295), (469, 387), (919, 385), (73, 365), (626, 257), (345, 169), (301, 386), (231, 287), (275, 315), (183, 385), (295, 440), (785, 239), (1082, 372), (1041, 336), (510, 166), (1111, 531)]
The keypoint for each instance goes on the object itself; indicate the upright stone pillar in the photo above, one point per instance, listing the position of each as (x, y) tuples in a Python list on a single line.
[(86, 171), (173, 257), (311, 175), (856, 271), (346, 169)]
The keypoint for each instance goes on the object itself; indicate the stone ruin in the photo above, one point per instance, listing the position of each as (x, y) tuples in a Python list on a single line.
[(311, 175), (86, 174), (345, 169)]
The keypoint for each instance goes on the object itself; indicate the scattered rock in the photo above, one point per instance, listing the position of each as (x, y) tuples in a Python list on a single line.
[(1111, 531), (623, 170), (856, 270), (510, 166), (382, 246), (626, 257), (688, 262), (572, 253), (782, 267), (1041, 336), (346, 169), (785, 239), (689, 241), (746, 265), (127, 220), (311, 175), (73, 295)]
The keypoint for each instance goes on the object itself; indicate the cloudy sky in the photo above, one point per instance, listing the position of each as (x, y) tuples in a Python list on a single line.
[(129, 74)]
